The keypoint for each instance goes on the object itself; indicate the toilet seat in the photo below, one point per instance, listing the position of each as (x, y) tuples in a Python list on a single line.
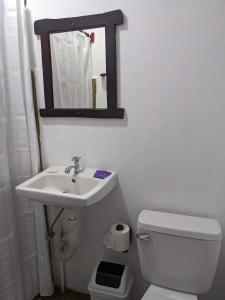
[(158, 293)]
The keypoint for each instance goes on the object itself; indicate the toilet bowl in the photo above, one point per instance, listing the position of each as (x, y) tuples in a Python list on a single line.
[(178, 254), (157, 293)]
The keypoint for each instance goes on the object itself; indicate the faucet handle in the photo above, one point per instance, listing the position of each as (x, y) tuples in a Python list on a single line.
[(76, 159)]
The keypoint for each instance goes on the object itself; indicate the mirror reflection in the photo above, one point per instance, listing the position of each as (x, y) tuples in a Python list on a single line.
[(79, 69)]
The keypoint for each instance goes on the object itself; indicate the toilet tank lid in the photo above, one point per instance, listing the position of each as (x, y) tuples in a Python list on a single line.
[(180, 225)]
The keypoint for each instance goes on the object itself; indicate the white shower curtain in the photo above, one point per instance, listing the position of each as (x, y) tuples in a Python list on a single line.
[(24, 258), (71, 69)]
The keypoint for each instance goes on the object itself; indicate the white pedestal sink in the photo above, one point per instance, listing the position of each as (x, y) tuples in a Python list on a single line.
[(55, 188)]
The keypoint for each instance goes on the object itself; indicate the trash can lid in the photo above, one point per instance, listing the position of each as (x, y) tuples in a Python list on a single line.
[(121, 292)]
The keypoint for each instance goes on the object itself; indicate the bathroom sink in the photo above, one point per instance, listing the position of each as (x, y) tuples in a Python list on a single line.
[(55, 188)]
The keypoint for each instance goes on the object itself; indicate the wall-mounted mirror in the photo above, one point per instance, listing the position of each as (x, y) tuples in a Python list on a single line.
[(79, 66)]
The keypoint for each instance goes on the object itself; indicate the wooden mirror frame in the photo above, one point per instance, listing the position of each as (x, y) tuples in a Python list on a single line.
[(107, 20)]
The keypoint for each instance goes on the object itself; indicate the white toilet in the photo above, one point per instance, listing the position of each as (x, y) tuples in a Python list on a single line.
[(178, 254)]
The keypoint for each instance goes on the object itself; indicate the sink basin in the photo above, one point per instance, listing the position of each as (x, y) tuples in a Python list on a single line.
[(55, 188)]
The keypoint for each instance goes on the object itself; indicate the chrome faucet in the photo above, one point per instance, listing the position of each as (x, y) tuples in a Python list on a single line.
[(76, 167)]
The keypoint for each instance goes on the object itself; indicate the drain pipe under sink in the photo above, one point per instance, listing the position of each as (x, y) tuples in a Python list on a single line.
[(66, 247)]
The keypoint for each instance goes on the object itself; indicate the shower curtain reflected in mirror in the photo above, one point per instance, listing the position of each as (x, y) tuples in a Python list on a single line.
[(24, 258), (71, 70)]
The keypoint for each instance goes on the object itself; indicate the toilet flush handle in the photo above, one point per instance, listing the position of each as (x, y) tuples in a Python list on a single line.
[(143, 236)]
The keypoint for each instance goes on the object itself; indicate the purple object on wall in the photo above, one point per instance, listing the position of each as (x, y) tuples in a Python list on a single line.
[(102, 174)]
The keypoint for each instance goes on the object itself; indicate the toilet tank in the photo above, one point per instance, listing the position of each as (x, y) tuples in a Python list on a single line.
[(182, 251)]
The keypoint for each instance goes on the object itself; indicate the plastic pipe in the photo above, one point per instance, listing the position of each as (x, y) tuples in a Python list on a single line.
[(62, 276)]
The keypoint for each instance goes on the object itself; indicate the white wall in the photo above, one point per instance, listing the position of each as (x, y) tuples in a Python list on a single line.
[(169, 151)]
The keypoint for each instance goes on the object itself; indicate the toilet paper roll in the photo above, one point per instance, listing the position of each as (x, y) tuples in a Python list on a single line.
[(119, 237)]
